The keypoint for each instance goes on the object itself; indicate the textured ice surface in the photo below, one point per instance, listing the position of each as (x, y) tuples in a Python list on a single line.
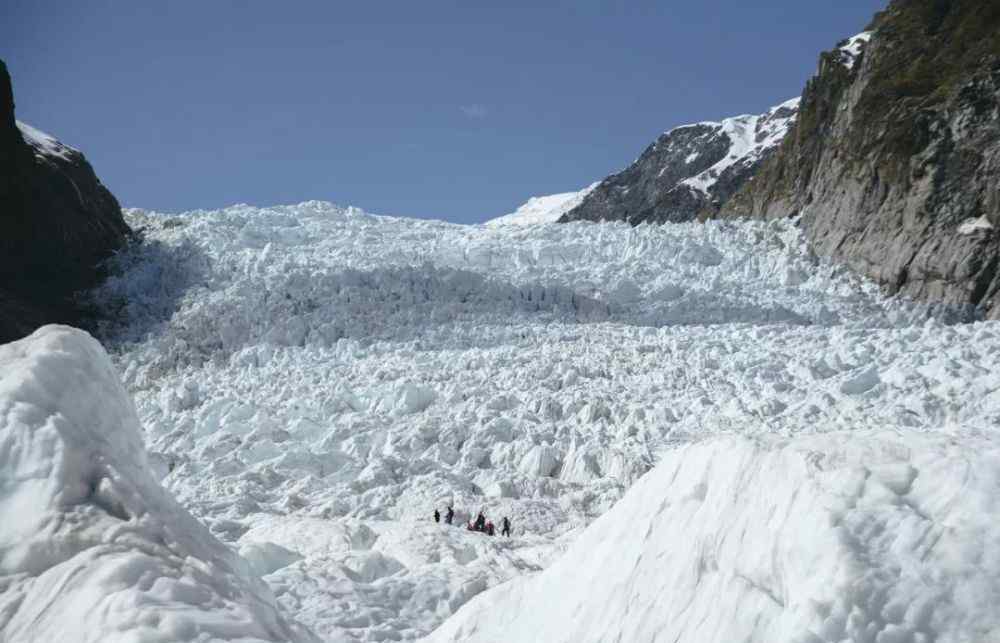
[(91, 547), (313, 381), (863, 536)]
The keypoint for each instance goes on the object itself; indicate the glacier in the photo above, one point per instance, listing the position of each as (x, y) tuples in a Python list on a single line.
[(790, 455)]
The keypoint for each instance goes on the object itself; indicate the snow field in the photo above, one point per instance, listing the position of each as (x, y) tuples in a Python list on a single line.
[(313, 381), (91, 545)]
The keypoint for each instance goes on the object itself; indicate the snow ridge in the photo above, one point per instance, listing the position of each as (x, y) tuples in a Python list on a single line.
[(543, 209), (45, 144), (852, 48)]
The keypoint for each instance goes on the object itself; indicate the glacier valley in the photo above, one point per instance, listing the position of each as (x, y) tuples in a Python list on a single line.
[(700, 432)]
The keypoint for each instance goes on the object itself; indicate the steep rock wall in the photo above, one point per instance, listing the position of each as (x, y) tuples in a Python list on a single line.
[(57, 222), (894, 164)]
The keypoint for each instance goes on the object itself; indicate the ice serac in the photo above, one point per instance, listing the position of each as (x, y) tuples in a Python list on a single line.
[(57, 222), (689, 172), (894, 164), (866, 536), (90, 543)]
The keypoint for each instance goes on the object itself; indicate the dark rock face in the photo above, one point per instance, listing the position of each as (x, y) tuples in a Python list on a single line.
[(57, 222), (689, 172), (894, 164)]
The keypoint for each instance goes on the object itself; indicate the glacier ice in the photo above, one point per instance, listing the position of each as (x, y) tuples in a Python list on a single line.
[(313, 381)]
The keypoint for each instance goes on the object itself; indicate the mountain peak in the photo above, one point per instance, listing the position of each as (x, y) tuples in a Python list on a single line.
[(688, 171)]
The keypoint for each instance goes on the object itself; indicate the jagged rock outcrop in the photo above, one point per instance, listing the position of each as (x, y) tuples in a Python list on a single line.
[(57, 222), (689, 172), (894, 164)]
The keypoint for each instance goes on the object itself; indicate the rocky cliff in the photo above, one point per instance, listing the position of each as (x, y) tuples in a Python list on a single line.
[(57, 222), (894, 164), (689, 172)]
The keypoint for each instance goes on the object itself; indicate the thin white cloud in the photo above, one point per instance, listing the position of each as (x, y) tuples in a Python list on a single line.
[(474, 111)]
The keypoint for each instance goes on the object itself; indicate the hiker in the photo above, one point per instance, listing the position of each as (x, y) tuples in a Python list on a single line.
[(437, 515), (490, 529), (505, 527), (480, 522), (449, 515), (469, 526)]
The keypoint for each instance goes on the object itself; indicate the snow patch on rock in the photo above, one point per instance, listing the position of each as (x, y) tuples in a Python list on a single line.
[(851, 49), (974, 225)]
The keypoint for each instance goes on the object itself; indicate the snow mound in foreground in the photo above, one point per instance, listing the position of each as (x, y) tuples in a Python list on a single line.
[(880, 537), (543, 209), (90, 543)]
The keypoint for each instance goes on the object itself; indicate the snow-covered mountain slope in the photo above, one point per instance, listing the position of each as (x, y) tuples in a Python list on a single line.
[(861, 536), (750, 140), (543, 209), (313, 381), (688, 172), (91, 546)]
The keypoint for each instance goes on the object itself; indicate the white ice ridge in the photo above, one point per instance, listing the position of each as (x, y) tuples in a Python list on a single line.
[(861, 536), (90, 544), (313, 381), (543, 209), (750, 136), (45, 144)]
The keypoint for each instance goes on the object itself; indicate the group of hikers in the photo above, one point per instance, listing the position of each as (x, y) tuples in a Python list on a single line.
[(480, 524)]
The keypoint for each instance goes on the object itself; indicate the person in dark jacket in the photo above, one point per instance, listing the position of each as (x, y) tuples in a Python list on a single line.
[(480, 522), (450, 515), (505, 527), (437, 516)]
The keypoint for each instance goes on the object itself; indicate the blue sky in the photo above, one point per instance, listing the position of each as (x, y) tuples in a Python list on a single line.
[(456, 110)]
